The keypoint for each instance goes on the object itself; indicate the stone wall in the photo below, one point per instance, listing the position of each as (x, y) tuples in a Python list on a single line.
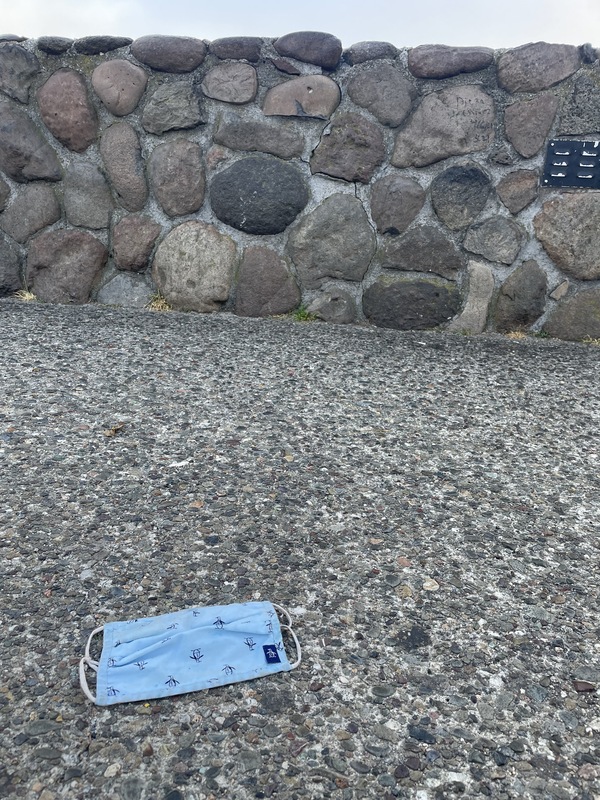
[(397, 187)]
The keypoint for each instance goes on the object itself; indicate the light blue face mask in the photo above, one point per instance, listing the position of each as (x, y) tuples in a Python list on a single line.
[(197, 648)]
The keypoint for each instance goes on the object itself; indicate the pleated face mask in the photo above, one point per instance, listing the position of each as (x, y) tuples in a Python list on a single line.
[(188, 650)]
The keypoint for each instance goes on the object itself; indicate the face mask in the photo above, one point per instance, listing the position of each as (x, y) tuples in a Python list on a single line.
[(197, 648)]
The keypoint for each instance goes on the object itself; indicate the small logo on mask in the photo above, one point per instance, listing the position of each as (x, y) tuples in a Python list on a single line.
[(271, 654)]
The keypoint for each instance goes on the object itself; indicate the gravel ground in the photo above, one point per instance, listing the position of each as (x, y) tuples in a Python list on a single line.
[(426, 506)]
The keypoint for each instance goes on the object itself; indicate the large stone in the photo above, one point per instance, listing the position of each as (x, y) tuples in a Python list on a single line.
[(472, 319), (194, 267), (237, 47), (440, 61), (528, 122), (352, 149), (173, 106), (24, 153), (334, 305), (333, 241), (369, 51), (307, 96), (10, 267), (265, 285), (95, 45), (518, 189), (569, 229), (580, 113), (259, 194), (459, 194), (533, 67), (496, 239), (120, 85), (422, 249), (395, 202), (406, 304), (66, 110), (384, 91), (522, 298), (133, 241), (265, 136), (176, 174), (63, 265), (87, 197), (235, 82), (122, 156), (18, 68), (170, 53), (54, 45), (450, 122), (127, 290), (577, 317), (312, 47), (34, 208), (4, 193)]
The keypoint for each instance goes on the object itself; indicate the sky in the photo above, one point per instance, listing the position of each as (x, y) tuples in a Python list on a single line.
[(405, 23)]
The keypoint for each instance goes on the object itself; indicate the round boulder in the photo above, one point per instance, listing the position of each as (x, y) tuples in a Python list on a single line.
[(410, 305), (569, 229), (459, 194)]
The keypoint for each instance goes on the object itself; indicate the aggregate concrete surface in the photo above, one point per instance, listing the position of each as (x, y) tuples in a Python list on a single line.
[(424, 504)]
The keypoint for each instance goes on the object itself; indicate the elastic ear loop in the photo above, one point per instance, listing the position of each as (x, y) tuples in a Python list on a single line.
[(288, 627), (88, 661)]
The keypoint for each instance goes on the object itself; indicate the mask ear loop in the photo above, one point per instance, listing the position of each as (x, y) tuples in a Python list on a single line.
[(88, 661), (287, 626)]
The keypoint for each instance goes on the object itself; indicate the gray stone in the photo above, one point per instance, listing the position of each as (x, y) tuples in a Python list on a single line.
[(577, 317), (120, 85), (265, 136), (533, 67), (450, 122), (265, 285), (132, 242), (10, 267), (173, 106), (406, 304), (24, 153), (528, 122), (285, 66), (231, 83), (176, 174), (87, 197), (384, 91), (12, 37), (422, 249), (352, 149), (93, 45), (18, 68), (63, 265), (369, 51), (237, 47), (170, 53), (334, 305), (312, 47), (588, 53), (259, 194), (580, 114), (496, 239), (522, 298), (473, 317), (66, 110), (333, 241), (518, 189), (125, 289), (122, 156), (569, 229), (395, 203), (34, 208), (307, 96), (561, 290), (440, 61), (194, 267), (4, 193), (459, 194), (54, 45)]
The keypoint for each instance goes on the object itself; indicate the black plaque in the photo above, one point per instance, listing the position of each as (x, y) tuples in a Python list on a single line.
[(572, 163)]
